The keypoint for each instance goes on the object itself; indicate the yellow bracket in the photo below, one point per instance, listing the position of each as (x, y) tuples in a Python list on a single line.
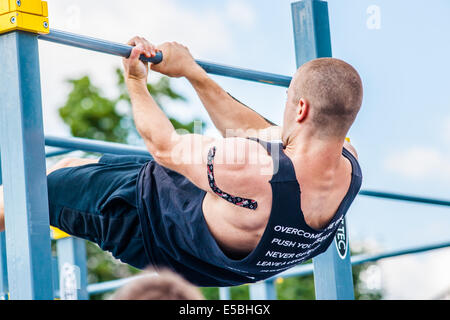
[(25, 15), (58, 234)]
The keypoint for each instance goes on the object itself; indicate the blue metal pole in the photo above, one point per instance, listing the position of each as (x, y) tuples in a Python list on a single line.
[(245, 74), (332, 269), (298, 271), (116, 148), (59, 152), (79, 41), (93, 44), (224, 293), (72, 269), (23, 161), (107, 286), (264, 290), (404, 197), (307, 269), (55, 277), (3, 269), (94, 146), (333, 278)]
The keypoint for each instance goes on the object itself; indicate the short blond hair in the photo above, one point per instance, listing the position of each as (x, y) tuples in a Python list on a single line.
[(334, 91)]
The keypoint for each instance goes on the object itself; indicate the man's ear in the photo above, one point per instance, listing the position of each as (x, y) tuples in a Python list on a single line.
[(302, 110)]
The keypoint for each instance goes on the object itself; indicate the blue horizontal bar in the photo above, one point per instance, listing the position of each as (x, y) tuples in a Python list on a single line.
[(307, 269), (301, 270), (117, 148), (402, 197), (106, 286), (364, 258), (59, 152), (74, 40), (245, 74), (103, 46), (94, 146)]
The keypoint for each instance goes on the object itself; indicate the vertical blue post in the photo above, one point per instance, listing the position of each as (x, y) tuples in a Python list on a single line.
[(23, 163), (224, 293), (72, 269), (264, 290), (332, 269), (3, 269), (55, 277)]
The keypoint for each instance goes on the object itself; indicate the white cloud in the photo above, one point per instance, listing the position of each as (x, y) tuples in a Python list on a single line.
[(159, 20), (421, 276), (241, 13), (204, 31), (420, 162)]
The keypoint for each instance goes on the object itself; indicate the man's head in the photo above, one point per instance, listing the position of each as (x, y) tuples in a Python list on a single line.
[(166, 285), (324, 97)]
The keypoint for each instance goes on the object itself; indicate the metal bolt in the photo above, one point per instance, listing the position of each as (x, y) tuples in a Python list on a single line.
[(18, 3), (45, 24), (13, 20)]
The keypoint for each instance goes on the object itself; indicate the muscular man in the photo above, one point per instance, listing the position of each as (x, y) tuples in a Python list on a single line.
[(227, 211)]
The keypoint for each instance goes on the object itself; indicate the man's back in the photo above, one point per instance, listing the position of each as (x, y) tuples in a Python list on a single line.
[(250, 226), (220, 211), (238, 231)]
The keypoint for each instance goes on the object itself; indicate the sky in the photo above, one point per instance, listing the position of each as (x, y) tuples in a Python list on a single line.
[(402, 133)]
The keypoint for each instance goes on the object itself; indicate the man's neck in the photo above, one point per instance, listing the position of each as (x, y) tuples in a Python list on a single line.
[(326, 153)]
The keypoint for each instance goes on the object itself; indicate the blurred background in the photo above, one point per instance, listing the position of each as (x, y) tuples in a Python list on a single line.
[(402, 133)]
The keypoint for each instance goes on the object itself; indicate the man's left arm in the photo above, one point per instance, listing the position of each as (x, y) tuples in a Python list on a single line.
[(188, 154), (151, 122), (182, 153)]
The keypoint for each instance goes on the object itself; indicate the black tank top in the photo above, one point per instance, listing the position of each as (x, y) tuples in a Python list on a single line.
[(176, 234)]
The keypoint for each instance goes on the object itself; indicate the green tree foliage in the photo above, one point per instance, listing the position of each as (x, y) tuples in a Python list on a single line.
[(90, 114)]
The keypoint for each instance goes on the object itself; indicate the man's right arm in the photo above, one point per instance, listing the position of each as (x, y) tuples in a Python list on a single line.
[(231, 117)]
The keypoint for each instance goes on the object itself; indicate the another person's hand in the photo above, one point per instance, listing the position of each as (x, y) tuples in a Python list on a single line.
[(136, 69), (177, 61)]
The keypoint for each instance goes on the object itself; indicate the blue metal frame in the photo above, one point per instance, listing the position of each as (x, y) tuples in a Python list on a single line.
[(89, 43), (93, 44), (72, 269), (264, 290), (3, 269), (403, 197), (94, 146), (88, 145), (23, 161), (107, 286), (333, 274), (224, 293), (245, 74), (26, 244), (58, 152), (298, 271)]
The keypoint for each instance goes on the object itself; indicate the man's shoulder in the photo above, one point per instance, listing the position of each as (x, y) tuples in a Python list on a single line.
[(241, 163), (351, 149)]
